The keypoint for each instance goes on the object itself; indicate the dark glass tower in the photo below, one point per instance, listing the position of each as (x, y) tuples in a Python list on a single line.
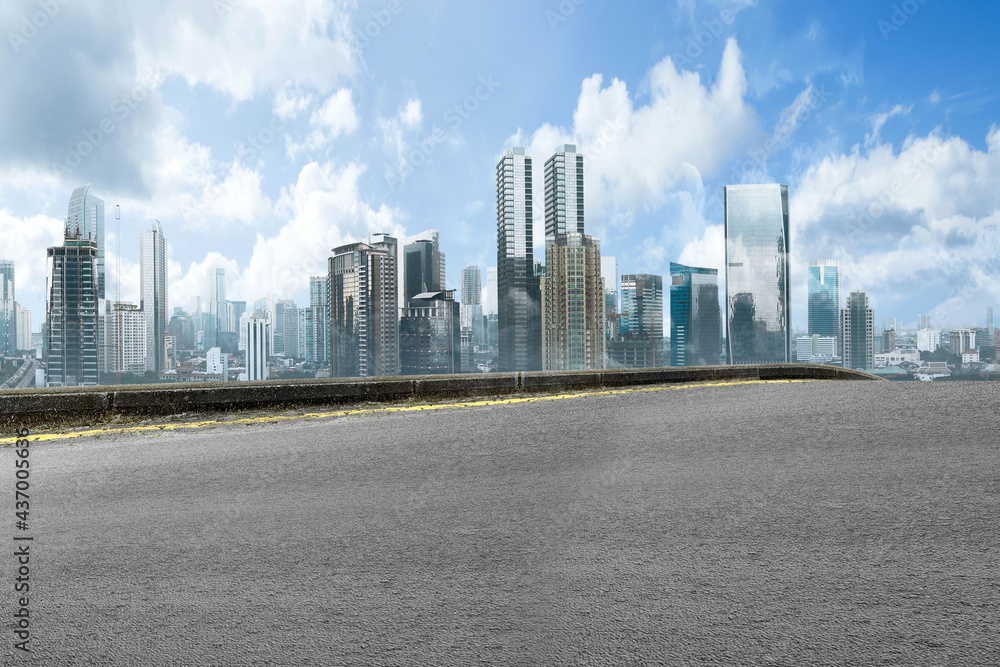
[(518, 285), (695, 318), (71, 346), (824, 297), (758, 321)]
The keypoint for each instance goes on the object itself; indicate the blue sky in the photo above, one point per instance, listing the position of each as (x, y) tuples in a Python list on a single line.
[(263, 134)]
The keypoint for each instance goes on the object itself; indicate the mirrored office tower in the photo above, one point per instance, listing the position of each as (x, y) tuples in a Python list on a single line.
[(824, 297), (8, 311), (364, 320), (153, 293), (518, 286), (758, 319), (85, 220), (695, 319)]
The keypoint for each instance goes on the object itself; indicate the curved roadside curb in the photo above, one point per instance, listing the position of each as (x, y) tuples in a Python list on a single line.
[(29, 407)]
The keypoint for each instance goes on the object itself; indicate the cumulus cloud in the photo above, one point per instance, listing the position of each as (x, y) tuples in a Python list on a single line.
[(335, 117), (396, 129), (24, 241)]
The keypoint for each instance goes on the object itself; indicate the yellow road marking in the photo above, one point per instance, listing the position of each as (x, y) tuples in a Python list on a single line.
[(41, 437)]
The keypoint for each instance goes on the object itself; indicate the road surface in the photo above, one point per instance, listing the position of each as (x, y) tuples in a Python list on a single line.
[(758, 523)]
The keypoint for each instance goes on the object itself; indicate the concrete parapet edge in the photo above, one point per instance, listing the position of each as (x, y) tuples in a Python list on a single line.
[(30, 407)]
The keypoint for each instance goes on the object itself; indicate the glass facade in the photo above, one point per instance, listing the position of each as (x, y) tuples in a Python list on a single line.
[(518, 286), (72, 353), (824, 297), (85, 220), (8, 311), (758, 321), (695, 318), (319, 303), (642, 306), (857, 330), (429, 336), (153, 294)]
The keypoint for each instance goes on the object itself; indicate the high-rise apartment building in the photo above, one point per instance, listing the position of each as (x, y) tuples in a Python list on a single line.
[(23, 323), (8, 309), (695, 318), (758, 317), (124, 328), (961, 340), (928, 340), (85, 220), (923, 322), (72, 341), (888, 340), (564, 192), (290, 330), (857, 332), (319, 303), (472, 305), (572, 304), (989, 319), (153, 294), (518, 286), (429, 335), (824, 297), (216, 307), (364, 321), (490, 293), (258, 340)]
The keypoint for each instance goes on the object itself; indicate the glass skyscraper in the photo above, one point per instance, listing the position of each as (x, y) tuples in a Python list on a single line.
[(8, 311), (642, 306), (153, 294), (518, 285), (695, 318), (85, 220), (72, 342), (758, 318), (824, 297)]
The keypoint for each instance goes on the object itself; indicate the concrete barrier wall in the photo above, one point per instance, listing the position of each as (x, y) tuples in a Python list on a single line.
[(51, 406)]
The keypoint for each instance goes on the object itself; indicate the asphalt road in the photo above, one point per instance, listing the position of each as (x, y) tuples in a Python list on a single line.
[(845, 523)]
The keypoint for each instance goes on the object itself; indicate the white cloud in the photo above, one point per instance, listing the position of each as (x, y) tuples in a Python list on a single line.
[(395, 130), (335, 117), (878, 122), (25, 241)]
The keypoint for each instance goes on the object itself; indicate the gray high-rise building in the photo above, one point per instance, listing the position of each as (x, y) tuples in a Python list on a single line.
[(857, 332), (364, 319), (8, 309), (564, 192), (989, 319), (923, 322), (429, 335), (758, 303), (85, 220), (695, 322), (432, 266), (72, 340), (421, 269), (216, 304), (642, 306), (153, 294), (518, 286), (319, 303), (609, 271)]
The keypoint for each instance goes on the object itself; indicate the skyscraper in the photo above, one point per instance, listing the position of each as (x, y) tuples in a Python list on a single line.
[(433, 267), (824, 297), (23, 322), (364, 320), (923, 322), (572, 304), (85, 220), (642, 306), (758, 320), (857, 332), (71, 313), (258, 340), (421, 269), (472, 304), (564, 192), (429, 335), (518, 288), (319, 303), (989, 320), (695, 322), (609, 271), (8, 310), (123, 338), (153, 293), (216, 322)]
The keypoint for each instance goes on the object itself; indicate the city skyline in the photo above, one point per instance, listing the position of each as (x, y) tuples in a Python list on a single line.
[(260, 168)]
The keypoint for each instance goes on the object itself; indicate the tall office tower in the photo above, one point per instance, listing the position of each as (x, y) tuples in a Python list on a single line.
[(989, 319), (490, 292), (923, 322), (8, 311), (71, 313), (432, 266), (319, 304), (421, 272), (305, 347), (217, 297), (153, 293), (429, 335), (258, 339), (85, 220), (857, 332), (642, 306), (961, 340), (758, 303), (695, 321), (824, 297), (890, 323), (290, 328), (564, 192), (572, 304), (472, 303), (123, 338), (234, 311), (364, 321), (518, 287), (23, 323), (609, 271)]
